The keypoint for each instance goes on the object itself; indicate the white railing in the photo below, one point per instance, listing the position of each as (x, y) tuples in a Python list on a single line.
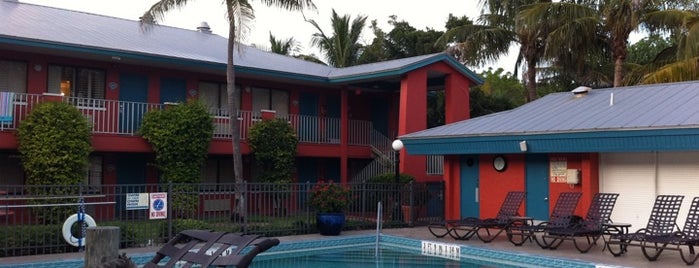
[(124, 118), (375, 167), (315, 129), (20, 107), (360, 132)]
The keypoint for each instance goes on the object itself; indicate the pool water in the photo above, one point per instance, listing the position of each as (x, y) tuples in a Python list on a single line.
[(361, 257), (359, 251)]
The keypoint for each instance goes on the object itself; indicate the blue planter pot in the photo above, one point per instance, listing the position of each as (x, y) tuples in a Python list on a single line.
[(330, 223)]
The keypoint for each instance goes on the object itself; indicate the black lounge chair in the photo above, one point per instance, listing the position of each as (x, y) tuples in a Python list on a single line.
[(561, 217), (661, 226), (653, 246), (203, 248), (465, 229), (591, 228)]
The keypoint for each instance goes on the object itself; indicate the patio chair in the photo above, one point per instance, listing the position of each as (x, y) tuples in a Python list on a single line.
[(465, 228), (653, 246), (661, 226), (591, 228), (204, 248), (561, 217)]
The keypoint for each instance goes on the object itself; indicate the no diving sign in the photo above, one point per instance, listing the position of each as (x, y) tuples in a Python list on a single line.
[(158, 206)]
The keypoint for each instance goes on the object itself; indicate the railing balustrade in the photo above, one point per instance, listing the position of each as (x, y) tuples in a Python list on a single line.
[(125, 118)]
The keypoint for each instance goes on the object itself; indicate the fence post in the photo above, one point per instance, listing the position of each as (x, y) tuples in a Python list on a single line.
[(169, 211), (103, 246), (243, 198)]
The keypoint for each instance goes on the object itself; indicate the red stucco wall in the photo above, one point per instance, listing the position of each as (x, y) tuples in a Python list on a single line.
[(494, 185)]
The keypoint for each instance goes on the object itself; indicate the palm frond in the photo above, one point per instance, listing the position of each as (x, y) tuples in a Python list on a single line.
[(684, 70)]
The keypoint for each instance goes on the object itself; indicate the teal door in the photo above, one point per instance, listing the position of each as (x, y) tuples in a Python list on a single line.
[(332, 128), (469, 187), (131, 176), (537, 184), (133, 94), (173, 90), (379, 116), (308, 125)]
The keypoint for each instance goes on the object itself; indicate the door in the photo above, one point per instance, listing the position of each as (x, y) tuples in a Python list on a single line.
[(131, 176), (173, 90), (537, 186), (133, 95), (469, 187), (332, 128), (379, 116), (308, 123)]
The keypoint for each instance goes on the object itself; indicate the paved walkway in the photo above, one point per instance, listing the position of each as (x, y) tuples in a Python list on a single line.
[(634, 258)]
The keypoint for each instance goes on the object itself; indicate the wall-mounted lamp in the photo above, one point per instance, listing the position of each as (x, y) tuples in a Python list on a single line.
[(523, 146)]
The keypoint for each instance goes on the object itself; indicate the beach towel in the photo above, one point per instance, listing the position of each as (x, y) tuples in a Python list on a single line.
[(7, 107)]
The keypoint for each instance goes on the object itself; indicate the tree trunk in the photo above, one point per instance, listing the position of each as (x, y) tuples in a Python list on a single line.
[(233, 108), (530, 80), (618, 71)]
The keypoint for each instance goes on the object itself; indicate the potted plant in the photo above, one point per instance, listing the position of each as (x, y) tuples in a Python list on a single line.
[(329, 200)]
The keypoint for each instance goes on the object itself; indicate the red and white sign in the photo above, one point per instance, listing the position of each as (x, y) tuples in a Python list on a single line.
[(158, 206)]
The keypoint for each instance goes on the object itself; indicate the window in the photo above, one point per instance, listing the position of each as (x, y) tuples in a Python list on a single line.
[(76, 82), (215, 96), (270, 99), (216, 171), (13, 76), (93, 177)]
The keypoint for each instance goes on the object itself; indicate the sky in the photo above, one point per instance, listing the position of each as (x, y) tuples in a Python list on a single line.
[(285, 24)]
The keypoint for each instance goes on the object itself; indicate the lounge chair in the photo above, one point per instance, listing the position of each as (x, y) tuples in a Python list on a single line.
[(203, 248), (561, 217), (591, 228), (661, 226), (465, 229), (653, 246)]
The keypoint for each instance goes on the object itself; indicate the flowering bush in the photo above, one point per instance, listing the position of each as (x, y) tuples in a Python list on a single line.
[(329, 197)]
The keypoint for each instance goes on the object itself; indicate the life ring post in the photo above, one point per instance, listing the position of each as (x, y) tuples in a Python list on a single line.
[(104, 245)]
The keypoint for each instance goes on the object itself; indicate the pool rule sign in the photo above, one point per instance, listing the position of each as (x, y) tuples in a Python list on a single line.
[(158, 206)]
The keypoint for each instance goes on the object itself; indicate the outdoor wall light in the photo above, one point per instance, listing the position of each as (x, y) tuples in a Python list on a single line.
[(523, 146)]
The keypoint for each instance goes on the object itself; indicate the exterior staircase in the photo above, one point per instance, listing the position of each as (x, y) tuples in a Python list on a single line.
[(384, 158)]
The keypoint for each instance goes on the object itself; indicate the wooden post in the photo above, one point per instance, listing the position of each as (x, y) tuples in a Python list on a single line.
[(102, 245)]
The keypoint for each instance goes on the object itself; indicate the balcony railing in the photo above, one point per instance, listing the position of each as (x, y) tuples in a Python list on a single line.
[(124, 118)]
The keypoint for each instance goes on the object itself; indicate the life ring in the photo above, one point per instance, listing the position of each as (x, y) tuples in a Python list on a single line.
[(68, 224)]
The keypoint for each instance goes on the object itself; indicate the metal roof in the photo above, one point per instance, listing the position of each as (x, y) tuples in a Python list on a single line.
[(638, 111), (38, 26)]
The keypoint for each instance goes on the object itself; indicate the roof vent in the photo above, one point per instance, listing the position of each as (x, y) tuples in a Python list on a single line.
[(204, 27), (580, 91)]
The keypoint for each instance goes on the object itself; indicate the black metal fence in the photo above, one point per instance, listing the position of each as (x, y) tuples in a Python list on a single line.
[(42, 219)]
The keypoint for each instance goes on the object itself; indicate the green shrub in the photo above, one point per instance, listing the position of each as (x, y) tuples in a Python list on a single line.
[(54, 144), (273, 143)]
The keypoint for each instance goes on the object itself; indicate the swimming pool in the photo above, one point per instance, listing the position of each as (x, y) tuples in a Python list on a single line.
[(359, 251)]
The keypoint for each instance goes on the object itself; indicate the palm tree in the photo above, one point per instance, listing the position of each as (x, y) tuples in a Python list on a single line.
[(494, 33), (579, 26), (237, 12), (283, 47), (682, 60), (342, 48)]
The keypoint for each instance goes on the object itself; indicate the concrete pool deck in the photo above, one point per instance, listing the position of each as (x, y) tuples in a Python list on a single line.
[(633, 258)]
